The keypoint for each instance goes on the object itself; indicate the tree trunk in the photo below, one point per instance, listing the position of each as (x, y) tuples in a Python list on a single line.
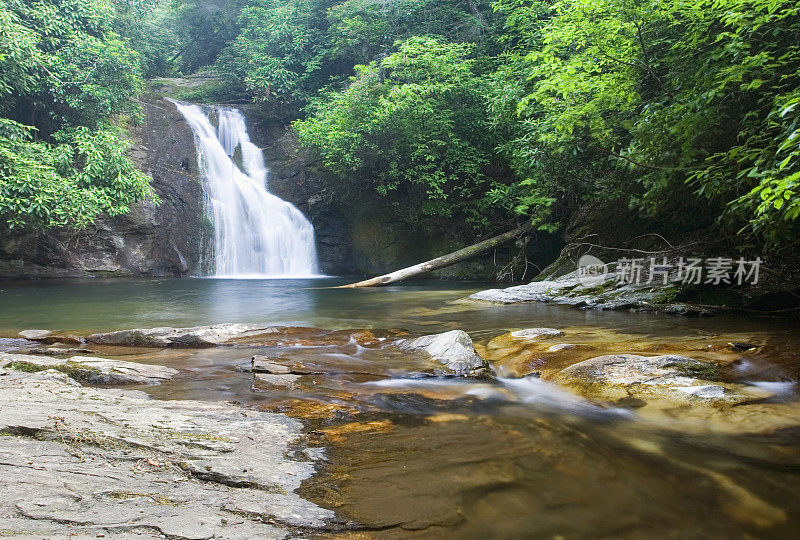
[(443, 261), (476, 13)]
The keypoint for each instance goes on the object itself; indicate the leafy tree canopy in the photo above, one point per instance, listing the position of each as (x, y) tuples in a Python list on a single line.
[(694, 103), (410, 122), (63, 73)]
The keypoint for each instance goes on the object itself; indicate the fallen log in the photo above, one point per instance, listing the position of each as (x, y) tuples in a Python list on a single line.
[(443, 261)]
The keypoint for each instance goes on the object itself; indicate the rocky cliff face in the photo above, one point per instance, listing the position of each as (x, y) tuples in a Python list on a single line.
[(361, 236), (161, 240), (365, 233)]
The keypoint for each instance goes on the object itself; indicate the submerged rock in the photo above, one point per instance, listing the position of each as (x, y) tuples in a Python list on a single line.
[(115, 463), (454, 349), (534, 333), (514, 342), (558, 347), (265, 382), (89, 369)]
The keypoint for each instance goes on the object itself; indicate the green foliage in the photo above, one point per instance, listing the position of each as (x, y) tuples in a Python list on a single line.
[(692, 103), (69, 184), (412, 123), (289, 49), (63, 74), (204, 28), (279, 48), (150, 25), (530, 109)]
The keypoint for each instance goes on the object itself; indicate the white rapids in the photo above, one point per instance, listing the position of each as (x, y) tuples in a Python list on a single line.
[(256, 234)]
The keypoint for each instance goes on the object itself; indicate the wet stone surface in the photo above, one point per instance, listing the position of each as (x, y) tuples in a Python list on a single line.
[(579, 422), (91, 461)]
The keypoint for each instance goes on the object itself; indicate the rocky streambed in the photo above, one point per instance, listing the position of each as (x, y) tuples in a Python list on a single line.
[(99, 461), (302, 430)]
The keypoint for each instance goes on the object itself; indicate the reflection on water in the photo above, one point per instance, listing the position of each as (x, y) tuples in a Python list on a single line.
[(417, 456)]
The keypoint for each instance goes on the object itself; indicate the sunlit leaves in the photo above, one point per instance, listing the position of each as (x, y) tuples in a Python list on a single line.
[(63, 74)]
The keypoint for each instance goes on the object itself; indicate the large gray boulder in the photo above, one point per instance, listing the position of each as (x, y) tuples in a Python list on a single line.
[(99, 462), (454, 350), (89, 369)]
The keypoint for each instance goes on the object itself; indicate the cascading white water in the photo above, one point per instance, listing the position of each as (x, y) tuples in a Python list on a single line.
[(256, 234)]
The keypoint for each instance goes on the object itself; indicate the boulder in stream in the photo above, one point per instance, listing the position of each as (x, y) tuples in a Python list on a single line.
[(604, 294), (536, 291), (535, 333), (454, 349)]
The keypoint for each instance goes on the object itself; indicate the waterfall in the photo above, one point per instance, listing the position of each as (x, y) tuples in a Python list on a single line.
[(256, 234)]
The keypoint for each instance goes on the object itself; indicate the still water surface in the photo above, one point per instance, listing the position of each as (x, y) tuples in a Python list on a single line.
[(436, 458)]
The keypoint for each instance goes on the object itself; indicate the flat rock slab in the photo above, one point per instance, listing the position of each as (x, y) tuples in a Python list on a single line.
[(89, 461), (537, 291), (535, 333), (454, 350), (606, 294), (91, 370), (58, 351), (48, 336), (34, 335), (267, 364), (194, 337)]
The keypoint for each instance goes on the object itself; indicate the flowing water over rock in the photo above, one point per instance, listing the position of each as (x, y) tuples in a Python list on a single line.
[(256, 234), (410, 452)]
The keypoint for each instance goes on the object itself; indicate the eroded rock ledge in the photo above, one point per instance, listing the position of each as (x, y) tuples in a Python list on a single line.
[(90, 369), (79, 460), (608, 295)]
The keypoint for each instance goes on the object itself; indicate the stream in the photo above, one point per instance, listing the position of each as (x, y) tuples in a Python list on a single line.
[(432, 457)]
